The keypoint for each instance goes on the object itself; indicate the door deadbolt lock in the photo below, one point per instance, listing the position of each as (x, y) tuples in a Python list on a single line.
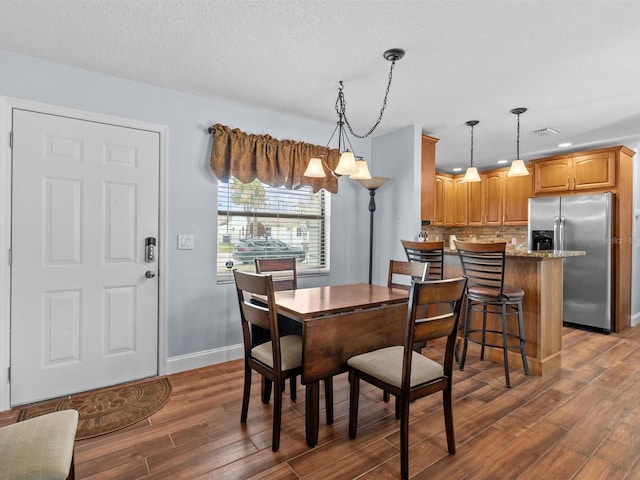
[(150, 274), (150, 249)]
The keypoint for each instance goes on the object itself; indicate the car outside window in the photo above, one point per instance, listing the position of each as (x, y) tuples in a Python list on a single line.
[(259, 221)]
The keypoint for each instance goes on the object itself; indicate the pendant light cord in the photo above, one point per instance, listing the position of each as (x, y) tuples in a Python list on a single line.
[(341, 105), (518, 139), (472, 145)]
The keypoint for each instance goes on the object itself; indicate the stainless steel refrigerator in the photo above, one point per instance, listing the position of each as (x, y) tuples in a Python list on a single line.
[(579, 222)]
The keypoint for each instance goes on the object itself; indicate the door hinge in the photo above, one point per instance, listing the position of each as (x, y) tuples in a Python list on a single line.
[(11, 139)]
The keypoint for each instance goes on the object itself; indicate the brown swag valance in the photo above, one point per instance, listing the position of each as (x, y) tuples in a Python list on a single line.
[(274, 162)]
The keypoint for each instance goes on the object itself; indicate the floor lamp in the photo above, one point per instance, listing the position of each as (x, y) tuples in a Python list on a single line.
[(372, 185)]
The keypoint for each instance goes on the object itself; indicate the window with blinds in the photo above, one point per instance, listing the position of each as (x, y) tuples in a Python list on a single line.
[(259, 221)]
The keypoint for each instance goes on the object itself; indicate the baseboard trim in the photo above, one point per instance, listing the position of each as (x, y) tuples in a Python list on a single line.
[(635, 319), (204, 358)]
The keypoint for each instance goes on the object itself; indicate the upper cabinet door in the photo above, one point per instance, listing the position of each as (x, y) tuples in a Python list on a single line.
[(493, 198), (595, 170), (475, 203), (553, 175), (516, 194), (459, 202), (443, 214)]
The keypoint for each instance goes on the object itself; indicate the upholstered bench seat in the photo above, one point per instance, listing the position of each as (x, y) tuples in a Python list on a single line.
[(39, 448)]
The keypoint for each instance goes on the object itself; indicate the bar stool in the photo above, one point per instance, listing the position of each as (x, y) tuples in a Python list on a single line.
[(483, 265), (426, 252)]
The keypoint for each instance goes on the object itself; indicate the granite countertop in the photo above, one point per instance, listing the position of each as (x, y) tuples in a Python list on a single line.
[(534, 253)]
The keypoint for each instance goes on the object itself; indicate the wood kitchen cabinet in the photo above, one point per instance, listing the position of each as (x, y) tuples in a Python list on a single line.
[(515, 199), (484, 203), (460, 201), (443, 212), (595, 170)]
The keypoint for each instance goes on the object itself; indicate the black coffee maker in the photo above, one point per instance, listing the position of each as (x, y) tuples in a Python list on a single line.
[(542, 239)]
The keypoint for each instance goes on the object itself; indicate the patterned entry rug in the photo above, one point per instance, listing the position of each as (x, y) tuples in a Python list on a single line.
[(109, 409)]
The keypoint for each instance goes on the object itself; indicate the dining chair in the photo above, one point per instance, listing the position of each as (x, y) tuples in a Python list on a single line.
[(40, 447), (406, 374), (415, 271), (283, 271), (426, 252), (483, 265), (277, 359), (285, 277)]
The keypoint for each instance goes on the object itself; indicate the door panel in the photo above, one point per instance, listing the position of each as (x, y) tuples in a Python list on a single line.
[(85, 197)]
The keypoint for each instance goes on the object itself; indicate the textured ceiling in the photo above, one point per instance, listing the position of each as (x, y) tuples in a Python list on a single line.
[(573, 64)]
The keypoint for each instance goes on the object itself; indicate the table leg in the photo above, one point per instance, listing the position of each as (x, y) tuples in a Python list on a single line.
[(328, 395), (312, 412)]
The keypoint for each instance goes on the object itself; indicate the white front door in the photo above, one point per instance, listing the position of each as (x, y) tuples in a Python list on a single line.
[(84, 313)]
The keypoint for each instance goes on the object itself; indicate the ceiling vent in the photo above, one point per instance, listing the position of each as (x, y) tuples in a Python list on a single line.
[(546, 131)]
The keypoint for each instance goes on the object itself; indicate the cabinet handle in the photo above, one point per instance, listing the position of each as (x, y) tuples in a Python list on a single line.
[(574, 183), (568, 183)]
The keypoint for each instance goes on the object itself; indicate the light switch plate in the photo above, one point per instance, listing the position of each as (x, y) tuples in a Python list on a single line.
[(185, 241)]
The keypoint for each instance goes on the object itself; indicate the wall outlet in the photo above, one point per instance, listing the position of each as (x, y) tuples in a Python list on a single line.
[(513, 241), (185, 241)]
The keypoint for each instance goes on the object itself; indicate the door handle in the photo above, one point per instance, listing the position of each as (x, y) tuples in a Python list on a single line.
[(150, 249), (150, 274)]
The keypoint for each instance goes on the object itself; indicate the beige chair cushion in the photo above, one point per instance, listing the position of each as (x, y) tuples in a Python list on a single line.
[(386, 365), (38, 448), (290, 352)]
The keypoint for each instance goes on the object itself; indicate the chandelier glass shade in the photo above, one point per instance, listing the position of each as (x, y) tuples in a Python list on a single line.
[(315, 169)]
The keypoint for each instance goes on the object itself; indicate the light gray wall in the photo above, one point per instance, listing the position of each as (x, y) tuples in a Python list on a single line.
[(202, 315), (396, 155)]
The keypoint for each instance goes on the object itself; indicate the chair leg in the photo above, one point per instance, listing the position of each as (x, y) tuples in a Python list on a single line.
[(328, 399), (465, 340), (354, 393), (523, 348), (398, 408), (404, 436), (266, 389), (386, 396), (292, 386), (484, 330), (277, 416), (505, 344), (448, 419), (246, 394)]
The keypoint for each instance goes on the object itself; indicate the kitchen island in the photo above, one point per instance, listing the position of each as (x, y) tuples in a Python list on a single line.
[(539, 274)]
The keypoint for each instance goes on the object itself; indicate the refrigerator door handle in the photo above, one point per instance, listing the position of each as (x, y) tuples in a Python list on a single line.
[(556, 233), (561, 233)]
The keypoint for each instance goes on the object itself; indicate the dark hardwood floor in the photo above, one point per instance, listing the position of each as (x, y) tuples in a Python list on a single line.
[(582, 422)]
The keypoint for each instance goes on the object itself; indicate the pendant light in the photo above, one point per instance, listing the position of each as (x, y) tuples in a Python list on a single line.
[(471, 175), (518, 168)]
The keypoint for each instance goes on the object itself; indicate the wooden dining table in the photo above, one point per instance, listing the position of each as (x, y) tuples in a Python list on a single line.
[(338, 322)]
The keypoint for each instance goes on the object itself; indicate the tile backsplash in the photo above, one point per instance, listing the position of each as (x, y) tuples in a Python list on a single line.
[(480, 234)]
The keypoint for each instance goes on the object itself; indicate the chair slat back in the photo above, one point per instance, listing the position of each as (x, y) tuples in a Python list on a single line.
[(483, 263), (252, 312), (438, 292), (427, 252), (413, 270), (283, 271)]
